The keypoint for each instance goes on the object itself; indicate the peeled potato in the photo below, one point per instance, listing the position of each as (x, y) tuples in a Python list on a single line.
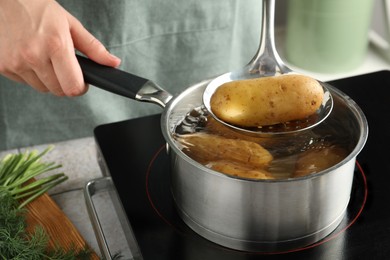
[(267, 100)]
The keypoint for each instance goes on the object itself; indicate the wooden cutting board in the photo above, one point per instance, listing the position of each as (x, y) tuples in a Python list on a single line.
[(45, 212)]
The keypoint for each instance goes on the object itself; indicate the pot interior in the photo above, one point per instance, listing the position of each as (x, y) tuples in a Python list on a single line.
[(346, 126)]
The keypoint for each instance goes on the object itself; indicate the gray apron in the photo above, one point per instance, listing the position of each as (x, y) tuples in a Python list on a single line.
[(174, 43)]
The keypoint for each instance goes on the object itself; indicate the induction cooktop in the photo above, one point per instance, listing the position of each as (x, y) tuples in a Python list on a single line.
[(133, 155)]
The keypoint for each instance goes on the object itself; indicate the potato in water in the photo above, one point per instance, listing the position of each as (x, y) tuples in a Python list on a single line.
[(267, 101), (240, 170), (207, 147), (231, 156), (317, 160)]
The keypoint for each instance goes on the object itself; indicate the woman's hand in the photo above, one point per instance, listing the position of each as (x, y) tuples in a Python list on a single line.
[(38, 39)]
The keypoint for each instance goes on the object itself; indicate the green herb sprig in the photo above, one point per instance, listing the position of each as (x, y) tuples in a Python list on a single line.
[(17, 173)]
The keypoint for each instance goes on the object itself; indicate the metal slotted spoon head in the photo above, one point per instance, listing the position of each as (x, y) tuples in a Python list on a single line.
[(267, 63)]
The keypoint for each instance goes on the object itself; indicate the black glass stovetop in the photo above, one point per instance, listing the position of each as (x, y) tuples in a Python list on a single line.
[(134, 155)]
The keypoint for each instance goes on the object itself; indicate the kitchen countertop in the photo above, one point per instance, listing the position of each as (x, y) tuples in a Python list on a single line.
[(79, 160)]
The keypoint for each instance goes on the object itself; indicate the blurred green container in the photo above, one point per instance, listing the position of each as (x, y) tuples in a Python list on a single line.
[(327, 35)]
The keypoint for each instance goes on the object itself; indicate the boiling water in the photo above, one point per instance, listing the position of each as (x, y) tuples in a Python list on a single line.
[(294, 155)]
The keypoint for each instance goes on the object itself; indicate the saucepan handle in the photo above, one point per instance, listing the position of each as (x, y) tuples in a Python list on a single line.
[(122, 83)]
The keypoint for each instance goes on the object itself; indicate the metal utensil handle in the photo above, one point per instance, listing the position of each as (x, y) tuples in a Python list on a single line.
[(267, 60)]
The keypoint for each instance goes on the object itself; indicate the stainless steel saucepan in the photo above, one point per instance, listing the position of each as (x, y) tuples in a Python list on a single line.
[(264, 215)]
